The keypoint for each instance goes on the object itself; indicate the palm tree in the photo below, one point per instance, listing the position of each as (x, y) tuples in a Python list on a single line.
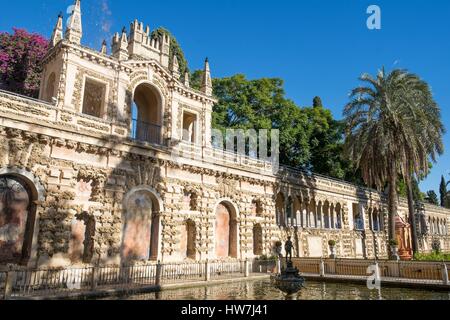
[(393, 129)]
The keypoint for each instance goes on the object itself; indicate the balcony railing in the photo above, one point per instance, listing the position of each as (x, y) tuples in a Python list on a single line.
[(146, 132)]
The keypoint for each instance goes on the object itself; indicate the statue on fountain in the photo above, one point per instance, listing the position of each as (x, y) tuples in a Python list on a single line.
[(288, 247), (289, 281)]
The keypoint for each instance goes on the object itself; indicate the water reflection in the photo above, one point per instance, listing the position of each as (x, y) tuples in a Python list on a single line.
[(263, 290)]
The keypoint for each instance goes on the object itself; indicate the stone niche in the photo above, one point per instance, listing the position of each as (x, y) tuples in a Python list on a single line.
[(14, 203)]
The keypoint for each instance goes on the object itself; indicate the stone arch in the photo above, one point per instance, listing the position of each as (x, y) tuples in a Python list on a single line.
[(258, 240), (50, 87), (147, 110), (226, 230), (141, 235), (19, 193), (376, 222)]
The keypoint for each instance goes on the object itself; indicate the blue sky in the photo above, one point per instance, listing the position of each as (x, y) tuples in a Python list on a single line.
[(318, 47)]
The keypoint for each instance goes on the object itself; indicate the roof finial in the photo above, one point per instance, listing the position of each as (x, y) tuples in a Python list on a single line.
[(104, 49), (57, 34), (74, 31), (207, 87)]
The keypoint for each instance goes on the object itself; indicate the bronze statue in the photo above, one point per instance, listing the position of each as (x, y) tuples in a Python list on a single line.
[(288, 247)]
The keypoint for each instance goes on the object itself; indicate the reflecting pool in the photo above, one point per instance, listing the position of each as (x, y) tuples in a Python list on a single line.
[(263, 290)]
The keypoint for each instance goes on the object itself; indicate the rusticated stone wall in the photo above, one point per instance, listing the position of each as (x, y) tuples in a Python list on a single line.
[(82, 213)]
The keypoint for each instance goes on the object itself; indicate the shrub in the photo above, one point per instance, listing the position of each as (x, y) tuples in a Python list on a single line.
[(21, 54), (332, 243), (436, 245), (393, 242), (432, 257), (267, 258)]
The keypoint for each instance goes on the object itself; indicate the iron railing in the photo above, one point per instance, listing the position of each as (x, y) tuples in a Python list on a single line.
[(413, 272), (146, 132), (61, 282)]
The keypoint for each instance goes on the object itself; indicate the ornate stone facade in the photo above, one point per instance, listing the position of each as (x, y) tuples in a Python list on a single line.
[(123, 186)]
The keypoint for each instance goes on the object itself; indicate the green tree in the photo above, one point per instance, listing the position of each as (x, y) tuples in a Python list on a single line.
[(20, 57), (443, 191), (432, 198), (403, 189), (261, 104), (393, 129), (175, 49), (317, 102), (326, 142), (196, 80)]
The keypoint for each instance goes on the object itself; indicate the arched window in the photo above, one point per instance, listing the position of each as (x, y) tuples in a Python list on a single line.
[(50, 88), (189, 127), (358, 219), (376, 220), (147, 114)]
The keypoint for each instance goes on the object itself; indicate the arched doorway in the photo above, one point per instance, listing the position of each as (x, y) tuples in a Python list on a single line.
[(147, 114), (257, 240), (226, 231), (141, 226), (17, 219)]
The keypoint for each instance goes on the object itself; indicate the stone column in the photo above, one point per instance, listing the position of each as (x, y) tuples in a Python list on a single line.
[(330, 215), (334, 218), (308, 216), (320, 215)]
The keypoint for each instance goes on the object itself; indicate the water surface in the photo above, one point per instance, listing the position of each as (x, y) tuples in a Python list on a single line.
[(263, 290)]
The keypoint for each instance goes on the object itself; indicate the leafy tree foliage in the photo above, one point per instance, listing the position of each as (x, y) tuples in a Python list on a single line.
[(20, 57), (432, 198), (310, 138), (403, 189), (394, 128), (261, 104), (443, 191), (175, 49), (326, 142)]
